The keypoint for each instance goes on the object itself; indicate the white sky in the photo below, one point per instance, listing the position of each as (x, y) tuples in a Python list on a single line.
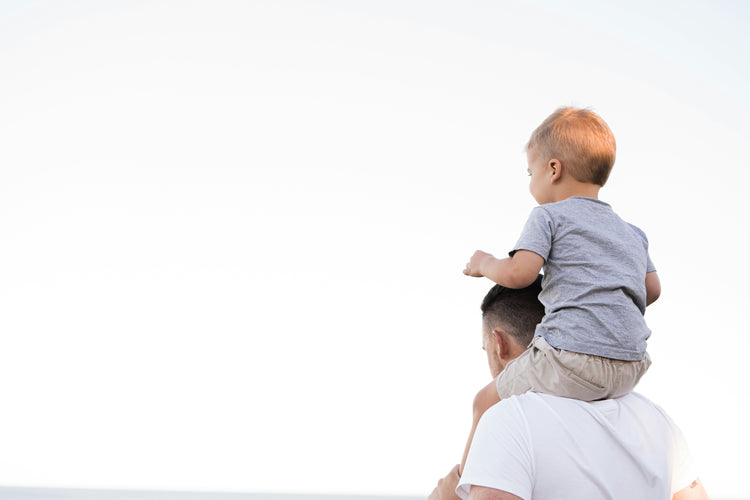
[(232, 233)]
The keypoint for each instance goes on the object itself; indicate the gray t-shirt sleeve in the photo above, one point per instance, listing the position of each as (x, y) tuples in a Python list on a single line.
[(537, 234), (649, 264)]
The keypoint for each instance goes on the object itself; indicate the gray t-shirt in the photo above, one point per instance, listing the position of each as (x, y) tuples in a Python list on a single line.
[(594, 285)]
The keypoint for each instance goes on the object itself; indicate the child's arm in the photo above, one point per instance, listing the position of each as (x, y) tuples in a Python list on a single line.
[(653, 287), (518, 271)]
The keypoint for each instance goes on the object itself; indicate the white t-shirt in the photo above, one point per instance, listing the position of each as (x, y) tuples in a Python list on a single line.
[(541, 447)]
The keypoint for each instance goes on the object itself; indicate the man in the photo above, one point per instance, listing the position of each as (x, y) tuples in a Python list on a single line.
[(544, 447)]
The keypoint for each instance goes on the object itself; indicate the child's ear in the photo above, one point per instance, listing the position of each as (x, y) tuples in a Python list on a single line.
[(555, 170)]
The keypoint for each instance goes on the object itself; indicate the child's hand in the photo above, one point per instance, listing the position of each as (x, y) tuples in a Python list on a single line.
[(473, 267)]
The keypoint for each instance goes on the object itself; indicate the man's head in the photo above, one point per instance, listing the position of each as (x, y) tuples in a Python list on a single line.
[(579, 139), (509, 318)]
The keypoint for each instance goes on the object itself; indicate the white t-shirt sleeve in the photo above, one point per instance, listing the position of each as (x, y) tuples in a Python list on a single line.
[(684, 471), (501, 454)]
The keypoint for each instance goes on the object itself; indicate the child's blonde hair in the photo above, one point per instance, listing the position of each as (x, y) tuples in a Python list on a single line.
[(580, 139)]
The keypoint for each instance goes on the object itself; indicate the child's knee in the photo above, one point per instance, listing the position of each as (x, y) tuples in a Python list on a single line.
[(485, 398)]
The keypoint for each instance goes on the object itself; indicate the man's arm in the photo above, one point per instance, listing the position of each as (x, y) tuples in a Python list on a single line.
[(518, 271), (485, 398), (482, 493), (693, 492), (446, 487)]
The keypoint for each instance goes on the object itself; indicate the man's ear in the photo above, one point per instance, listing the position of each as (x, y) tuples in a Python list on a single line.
[(502, 345), (555, 170)]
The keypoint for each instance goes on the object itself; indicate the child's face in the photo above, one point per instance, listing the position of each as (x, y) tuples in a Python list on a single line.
[(539, 184)]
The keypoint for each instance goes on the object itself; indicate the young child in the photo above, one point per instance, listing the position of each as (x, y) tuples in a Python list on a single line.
[(598, 277)]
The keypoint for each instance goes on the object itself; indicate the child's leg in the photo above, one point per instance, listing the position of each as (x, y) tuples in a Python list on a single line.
[(482, 401), (585, 377), (513, 380)]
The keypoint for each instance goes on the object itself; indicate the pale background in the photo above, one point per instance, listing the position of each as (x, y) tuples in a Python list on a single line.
[(232, 233)]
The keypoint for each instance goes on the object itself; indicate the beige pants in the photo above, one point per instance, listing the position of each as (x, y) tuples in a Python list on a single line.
[(542, 368)]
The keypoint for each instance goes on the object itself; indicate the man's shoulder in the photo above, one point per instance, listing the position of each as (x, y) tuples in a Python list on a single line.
[(532, 403), (629, 399), (554, 446)]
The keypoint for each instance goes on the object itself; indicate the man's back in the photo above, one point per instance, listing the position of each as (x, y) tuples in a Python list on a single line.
[(544, 447)]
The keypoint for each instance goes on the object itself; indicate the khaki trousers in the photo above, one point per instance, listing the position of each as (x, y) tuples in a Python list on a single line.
[(586, 377)]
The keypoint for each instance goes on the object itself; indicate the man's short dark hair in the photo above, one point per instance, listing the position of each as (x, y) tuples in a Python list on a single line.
[(517, 311)]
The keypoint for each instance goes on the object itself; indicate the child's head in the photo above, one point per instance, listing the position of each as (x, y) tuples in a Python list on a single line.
[(580, 139)]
